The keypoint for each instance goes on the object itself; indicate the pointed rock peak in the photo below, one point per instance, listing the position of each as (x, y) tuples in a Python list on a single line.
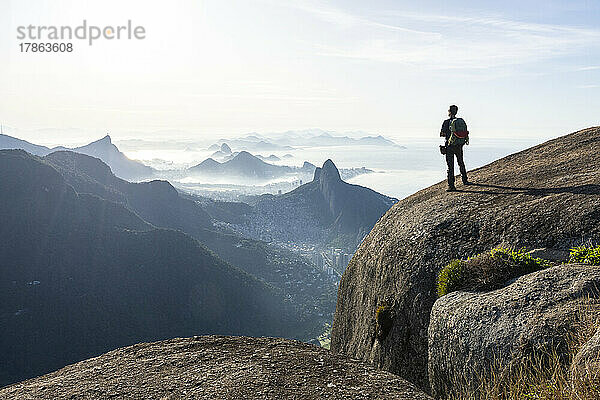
[(225, 148), (317, 174), (330, 172), (100, 142), (308, 165)]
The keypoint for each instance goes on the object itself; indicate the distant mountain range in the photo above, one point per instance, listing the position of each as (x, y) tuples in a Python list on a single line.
[(320, 137), (103, 149), (223, 163), (82, 274), (328, 140), (93, 261), (309, 137), (223, 154)]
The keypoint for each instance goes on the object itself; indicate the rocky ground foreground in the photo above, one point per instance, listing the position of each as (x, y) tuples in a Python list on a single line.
[(216, 367)]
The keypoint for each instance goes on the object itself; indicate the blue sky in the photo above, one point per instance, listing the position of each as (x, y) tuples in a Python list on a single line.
[(222, 68)]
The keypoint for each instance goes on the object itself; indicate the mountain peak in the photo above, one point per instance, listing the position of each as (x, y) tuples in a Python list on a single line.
[(106, 139), (330, 172), (209, 161), (120, 165), (225, 148), (245, 156)]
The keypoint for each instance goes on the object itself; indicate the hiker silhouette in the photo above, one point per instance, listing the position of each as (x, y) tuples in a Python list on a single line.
[(456, 135)]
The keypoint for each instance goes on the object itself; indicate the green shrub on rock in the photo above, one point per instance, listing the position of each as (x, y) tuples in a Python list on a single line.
[(585, 255), (450, 278), (487, 271)]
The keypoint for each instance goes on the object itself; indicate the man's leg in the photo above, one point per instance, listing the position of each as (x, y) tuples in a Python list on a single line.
[(450, 163), (461, 164)]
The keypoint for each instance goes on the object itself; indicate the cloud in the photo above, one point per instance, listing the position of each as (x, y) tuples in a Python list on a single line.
[(448, 42), (341, 18)]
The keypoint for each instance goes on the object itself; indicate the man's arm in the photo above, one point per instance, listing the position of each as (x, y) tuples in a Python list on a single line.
[(445, 129)]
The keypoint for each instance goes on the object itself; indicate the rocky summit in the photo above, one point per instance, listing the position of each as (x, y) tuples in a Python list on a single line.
[(545, 197), (217, 367)]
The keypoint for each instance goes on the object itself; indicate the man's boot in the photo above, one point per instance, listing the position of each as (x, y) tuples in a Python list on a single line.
[(451, 189)]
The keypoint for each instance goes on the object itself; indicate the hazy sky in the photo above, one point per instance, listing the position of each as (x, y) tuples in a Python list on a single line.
[(220, 67)]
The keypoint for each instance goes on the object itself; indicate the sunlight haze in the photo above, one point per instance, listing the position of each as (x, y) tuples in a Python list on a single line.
[(210, 69)]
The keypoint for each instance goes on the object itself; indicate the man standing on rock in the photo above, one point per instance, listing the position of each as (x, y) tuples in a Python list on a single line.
[(456, 134)]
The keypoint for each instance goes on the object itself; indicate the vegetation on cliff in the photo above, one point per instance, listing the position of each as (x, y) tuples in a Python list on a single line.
[(493, 269), (487, 271), (586, 255)]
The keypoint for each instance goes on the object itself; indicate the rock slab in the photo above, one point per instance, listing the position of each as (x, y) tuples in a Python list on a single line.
[(472, 333), (217, 367)]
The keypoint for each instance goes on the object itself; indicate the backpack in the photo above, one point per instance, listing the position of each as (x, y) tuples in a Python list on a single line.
[(460, 134)]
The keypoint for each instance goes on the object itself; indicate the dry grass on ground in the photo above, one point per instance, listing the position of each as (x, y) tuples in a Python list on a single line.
[(545, 376)]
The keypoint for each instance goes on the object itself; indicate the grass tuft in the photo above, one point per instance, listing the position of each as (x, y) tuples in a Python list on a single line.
[(487, 271), (450, 278)]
